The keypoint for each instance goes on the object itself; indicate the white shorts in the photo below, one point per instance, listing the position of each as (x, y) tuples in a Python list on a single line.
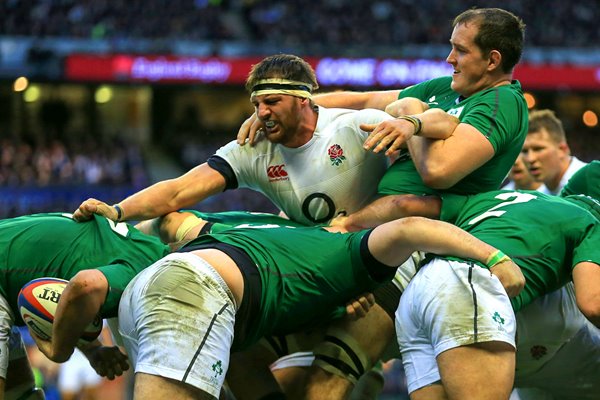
[(177, 319), (77, 374), (567, 370), (543, 327), (446, 305)]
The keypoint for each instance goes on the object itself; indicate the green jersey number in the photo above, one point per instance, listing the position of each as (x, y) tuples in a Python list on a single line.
[(494, 212)]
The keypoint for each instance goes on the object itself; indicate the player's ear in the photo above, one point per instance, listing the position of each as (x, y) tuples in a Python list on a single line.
[(495, 59)]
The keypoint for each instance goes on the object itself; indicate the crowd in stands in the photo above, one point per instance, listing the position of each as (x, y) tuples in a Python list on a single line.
[(41, 177), (58, 163), (293, 22)]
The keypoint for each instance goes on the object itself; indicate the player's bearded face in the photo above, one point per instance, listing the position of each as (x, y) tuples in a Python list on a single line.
[(280, 115)]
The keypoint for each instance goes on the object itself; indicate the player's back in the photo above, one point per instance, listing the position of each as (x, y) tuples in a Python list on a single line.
[(54, 245), (543, 234), (307, 274)]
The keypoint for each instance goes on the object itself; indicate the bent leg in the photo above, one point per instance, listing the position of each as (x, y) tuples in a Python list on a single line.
[(153, 387), (478, 371), (327, 380)]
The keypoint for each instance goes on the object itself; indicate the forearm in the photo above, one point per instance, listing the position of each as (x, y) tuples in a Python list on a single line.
[(357, 100), (173, 194), (79, 305), (393, 207), (437, 124), (586, 277), (154, 201), (393, 242), (434, 162)]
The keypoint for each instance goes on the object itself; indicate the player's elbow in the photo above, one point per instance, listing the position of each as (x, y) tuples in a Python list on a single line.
[(590, 307), (90, 282), (437, 177)]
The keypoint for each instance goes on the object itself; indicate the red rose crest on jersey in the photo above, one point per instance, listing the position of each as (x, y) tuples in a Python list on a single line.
[(336, 154), (277, 173)]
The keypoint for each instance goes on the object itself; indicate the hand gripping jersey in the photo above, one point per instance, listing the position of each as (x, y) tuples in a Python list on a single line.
[(545, 235), (332, 173), (54, 245)]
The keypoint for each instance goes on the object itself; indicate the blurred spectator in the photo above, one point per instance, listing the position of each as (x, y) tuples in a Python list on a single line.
[(77, 380), (520, 178), (291, 23), (546, 152), (54, 176), (23, 164)]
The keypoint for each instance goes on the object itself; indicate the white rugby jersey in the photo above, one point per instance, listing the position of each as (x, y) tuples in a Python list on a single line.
[(311, 184)]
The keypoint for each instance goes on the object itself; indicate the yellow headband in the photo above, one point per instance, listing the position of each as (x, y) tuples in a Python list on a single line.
[(282, 86)]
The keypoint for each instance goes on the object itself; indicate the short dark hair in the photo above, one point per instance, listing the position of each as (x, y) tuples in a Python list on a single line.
[(498, 30), (286, 66), (547, 119)]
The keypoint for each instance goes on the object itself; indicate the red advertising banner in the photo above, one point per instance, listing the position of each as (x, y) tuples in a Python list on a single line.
[(348, 72)]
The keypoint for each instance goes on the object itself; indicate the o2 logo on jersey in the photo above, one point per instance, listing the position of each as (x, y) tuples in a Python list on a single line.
[(277, 173), (318, 208)]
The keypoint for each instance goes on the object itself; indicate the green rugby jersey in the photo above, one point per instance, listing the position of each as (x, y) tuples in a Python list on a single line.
[(54, 245), (499, 113), (231, 219), (585, 181), (307, 274), (545, 235)]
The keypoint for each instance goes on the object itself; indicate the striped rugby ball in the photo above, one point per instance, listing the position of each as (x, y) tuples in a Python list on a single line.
[(37, 304)]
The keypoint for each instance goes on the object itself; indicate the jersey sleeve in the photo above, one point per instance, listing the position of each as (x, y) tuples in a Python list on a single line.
[(494, 116), (452, 204), (118, 277), (424, 90), (242, 160), (586, 248), (585, 181)]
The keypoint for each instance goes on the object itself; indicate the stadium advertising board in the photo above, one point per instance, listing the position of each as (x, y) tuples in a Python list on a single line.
[(349, 72)]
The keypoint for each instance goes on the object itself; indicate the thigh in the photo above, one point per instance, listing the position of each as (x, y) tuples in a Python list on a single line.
[(152, 387), (448, 305), (177, 319), (478, 371)]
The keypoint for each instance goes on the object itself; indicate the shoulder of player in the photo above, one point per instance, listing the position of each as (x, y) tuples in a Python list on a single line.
[(263, 146), (343, 118)]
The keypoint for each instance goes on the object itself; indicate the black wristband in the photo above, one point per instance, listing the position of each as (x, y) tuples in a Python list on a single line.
[(119, 211)]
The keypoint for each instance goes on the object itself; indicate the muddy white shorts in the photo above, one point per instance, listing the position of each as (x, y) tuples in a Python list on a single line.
[(176, 319), (446, 305)]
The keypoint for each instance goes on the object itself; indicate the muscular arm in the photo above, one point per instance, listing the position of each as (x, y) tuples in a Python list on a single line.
[(357, 100), (79, 304), (393, 242), (161, 198), (392, 134), (442, 163), (586, 277), (389, 208)]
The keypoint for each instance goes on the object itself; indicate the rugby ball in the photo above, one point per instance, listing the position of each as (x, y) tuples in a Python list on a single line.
[(37, 304)]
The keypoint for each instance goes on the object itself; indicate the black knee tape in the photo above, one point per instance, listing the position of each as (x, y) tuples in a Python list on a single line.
[(387, 296), (278, 344), (341, 355)]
